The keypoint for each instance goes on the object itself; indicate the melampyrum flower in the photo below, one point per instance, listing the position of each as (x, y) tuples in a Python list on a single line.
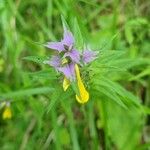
[(68, 61), (7, 113)]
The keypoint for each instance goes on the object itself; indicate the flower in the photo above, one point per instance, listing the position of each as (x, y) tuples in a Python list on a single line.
[(68, 70), (67, 61), (66, 84), (88, 56), (83, 96), (7, 114), (66, 45)]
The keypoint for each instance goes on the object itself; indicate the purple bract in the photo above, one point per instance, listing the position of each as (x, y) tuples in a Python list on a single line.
[(66, 58)]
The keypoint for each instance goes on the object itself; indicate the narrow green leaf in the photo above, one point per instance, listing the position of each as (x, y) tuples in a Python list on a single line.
[(64, 23), (36, 59), (78, 35), (113, 96), (73, 131), (26, 92), (128, 34), (142, 74), (50, 74)]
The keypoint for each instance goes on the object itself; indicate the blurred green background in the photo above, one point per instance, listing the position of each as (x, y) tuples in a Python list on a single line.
[(43, 116)]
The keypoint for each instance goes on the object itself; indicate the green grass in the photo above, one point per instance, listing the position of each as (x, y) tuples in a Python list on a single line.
[(46, 117)]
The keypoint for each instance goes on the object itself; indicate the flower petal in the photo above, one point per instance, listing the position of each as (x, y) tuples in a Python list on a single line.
[(66, 84), (7, 114), (68, 38), (89, 56), (74, 55), (56, 46), (84, 95), (55, 61), (68, 71)]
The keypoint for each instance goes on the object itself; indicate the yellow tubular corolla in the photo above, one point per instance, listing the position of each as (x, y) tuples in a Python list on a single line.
[(7, 114), (84, 95), (66, 84)]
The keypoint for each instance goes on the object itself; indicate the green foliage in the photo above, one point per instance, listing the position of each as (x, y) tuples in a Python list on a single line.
[(46, 117), (36, 59), (78, 35)]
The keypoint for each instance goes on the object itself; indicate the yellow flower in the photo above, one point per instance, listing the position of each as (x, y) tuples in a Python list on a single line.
[(66, 84), (84, 95), (7, 114)]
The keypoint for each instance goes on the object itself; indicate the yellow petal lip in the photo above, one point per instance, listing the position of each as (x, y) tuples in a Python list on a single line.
[(84, 95), (66, 84), (81, 100), (7, 114)]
